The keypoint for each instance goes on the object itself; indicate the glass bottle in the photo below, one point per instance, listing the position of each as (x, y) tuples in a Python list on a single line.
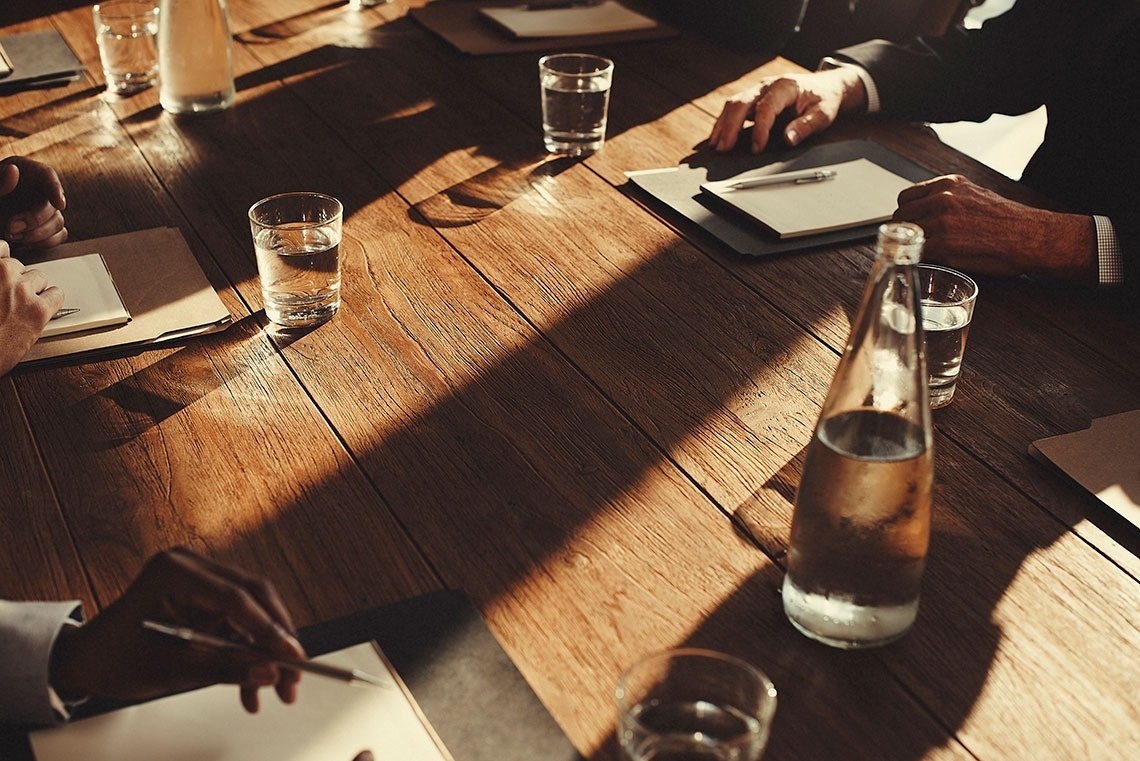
[(861, 524), (195, 56)]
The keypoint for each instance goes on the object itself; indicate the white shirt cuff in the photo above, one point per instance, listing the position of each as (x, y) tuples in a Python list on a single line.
[(27, 635), (873, 105)]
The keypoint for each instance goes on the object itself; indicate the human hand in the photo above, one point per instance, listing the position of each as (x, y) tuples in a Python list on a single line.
[(975, 229), (113, 657), (31, 203), (26, 305), (814, 101)]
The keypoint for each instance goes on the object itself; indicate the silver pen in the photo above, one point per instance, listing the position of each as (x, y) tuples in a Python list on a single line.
[(786, 178), (187, 634), (63, 313)]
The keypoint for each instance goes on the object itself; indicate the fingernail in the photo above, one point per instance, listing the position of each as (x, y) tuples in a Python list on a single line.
[(17, 226), (792, 136)]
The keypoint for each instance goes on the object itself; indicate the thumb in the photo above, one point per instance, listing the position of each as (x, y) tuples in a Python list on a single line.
[(9, 178), (811, 121)]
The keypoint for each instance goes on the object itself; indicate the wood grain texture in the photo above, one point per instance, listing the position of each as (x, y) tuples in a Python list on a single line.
[(540, 392)]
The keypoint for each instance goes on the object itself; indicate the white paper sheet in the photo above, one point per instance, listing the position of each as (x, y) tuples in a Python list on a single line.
[(331, 721)]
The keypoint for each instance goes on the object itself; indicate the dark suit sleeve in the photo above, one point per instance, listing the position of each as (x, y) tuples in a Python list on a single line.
[(1006, 67)]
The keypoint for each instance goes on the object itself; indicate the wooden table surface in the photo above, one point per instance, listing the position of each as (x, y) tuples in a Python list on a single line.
[(541, 393)]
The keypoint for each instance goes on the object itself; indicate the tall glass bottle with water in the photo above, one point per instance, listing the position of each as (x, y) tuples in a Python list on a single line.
[(195, 56), (861, 524)]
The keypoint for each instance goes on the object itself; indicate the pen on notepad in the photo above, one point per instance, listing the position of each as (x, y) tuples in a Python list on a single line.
[(63, 313), (786, 178), (187, 634)]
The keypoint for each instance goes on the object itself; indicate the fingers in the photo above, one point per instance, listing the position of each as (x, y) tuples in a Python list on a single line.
[(736, 111), (41, 227), (9, 177), (763, 105), (248, 603), (31, 203), (775, 99)]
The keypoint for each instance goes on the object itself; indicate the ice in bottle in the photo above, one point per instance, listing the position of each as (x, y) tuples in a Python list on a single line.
[(195, 56), (861, 524)]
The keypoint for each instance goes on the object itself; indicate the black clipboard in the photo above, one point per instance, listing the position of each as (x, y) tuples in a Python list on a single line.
[(472, 694), (675, 192)]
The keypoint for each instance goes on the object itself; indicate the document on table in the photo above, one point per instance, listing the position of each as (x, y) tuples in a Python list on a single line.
[(1104, 458), (88, 288), (566, 19), (860, 193), (331, 721), (161, 285)]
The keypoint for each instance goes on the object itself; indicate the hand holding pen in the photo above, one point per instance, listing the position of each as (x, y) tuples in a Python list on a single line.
[(115, 658)]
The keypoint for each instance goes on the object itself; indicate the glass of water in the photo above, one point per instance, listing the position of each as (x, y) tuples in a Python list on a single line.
[(690, 704), (297, 239), (126, 32), (947, 297), (575, 101)]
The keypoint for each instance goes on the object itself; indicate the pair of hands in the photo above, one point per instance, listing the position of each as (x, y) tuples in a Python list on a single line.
[(31, 215), (115, 658), (967, 226)]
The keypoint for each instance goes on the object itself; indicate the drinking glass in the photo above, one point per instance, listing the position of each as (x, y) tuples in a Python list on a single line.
[(126, 32), (297, 239), (575, 101), (689, 704), (947, 297)]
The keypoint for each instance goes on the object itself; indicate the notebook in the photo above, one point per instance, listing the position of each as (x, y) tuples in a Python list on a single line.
[(1104, 458), (567, 19), (161, 283), (87, 287), (857, 193), (675, 193), (37, 59), (330, 720)]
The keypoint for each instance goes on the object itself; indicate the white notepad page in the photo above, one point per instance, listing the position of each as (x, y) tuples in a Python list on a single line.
[(87, 285), (861, 193), (331, 721)]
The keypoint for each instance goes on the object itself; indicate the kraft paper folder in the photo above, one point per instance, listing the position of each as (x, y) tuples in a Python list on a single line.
[(675, 193), (467, 693), (1104, 458), (461, 23), (161, 284)]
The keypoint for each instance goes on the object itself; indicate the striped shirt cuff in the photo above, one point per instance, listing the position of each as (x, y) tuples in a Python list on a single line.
[(1110, 259)]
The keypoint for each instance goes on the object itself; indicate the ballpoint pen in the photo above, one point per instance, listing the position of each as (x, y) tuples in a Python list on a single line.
[(64, 313), (189, 635), (785, 178)]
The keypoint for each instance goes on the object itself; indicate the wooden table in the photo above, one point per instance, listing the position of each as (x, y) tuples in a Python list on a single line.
[(540, 392)]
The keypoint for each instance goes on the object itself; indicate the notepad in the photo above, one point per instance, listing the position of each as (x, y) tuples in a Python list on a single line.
[(603, 18), (331, 721), (861, 193), (87, 285), (1104, 458), (38, 59)]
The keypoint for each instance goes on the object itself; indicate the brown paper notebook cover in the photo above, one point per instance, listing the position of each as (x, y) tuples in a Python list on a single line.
[(462, 23), (1104, 458), (161, 285)]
